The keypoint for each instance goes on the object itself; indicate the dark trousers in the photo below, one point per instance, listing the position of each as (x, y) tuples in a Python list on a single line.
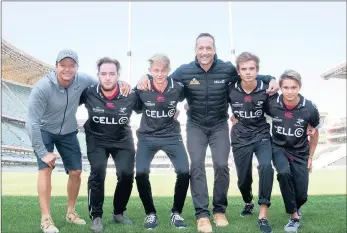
[(293, 178), (243, 157), (198, 138), (124, 161), (175, 150)]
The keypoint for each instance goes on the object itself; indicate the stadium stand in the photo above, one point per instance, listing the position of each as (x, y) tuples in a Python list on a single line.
[(338, 72)]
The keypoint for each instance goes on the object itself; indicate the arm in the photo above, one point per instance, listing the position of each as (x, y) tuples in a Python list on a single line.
[(314, 121), (36, 108), (138, 103), (177, 75), (83, 97), (268, 102), (181, 96)]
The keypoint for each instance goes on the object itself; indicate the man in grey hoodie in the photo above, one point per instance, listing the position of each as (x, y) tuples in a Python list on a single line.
[(51, 122)]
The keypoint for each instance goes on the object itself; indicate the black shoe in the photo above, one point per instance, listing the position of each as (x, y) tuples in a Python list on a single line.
[(177, 221), (151, 221), (247, 210), (264, 226)]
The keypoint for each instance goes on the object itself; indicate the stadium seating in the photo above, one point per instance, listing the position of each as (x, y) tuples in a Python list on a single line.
[(14, 134), (22, 93), (11, 107)]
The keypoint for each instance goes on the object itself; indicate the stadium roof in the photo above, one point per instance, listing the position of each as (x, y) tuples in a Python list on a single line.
[(336, 72), (21, 67)]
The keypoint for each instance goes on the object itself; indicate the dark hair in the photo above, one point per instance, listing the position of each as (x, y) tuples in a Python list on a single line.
[(105, 60), (205, 34)]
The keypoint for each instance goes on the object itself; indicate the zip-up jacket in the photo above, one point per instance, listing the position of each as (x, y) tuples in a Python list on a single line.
[(289, 127), (108, 119), (158, 111), (53, 108), (207, 92)]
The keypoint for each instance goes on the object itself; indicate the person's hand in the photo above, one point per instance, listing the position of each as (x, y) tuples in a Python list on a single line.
[(273, 87), (49, 159), (309, 165), (144, 84), (124, 88), (233, 120), (310, 130), (177, 113)]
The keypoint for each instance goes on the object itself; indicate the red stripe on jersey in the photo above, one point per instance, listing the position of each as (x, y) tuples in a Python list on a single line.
[(115, 93), (290, 107)]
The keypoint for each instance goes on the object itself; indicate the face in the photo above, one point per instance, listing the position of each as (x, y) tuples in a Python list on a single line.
[(248, 71), (205, 50), (159, 72), (290, 89), (108, 76), (66, 69)]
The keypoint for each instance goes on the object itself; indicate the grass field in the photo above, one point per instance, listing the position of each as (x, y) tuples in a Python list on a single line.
[(324, 212)]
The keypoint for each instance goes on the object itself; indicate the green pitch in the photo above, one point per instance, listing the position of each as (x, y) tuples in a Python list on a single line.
[(324, 212)]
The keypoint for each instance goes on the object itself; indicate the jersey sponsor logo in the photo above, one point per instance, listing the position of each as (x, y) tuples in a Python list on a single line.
[(160, 98), (110, 120), (160, 114), (181, 84), (276, 119), (248, 98), (299, 132), (237, 105), (299, 122), (172, 104), (122, 111), (97, 109), (288, 115), (110, 105), (249, 114), (219, 81), (149, 104), (194, 82), (259, 104)]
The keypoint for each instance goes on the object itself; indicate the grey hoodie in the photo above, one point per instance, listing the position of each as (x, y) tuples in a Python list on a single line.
[(53, 108)]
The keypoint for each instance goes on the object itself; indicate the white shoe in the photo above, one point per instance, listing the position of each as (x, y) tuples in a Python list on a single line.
[(47, 226)]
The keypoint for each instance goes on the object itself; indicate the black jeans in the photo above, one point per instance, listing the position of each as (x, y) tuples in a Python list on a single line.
[(293, 178), (175, 150), (198, 138), (243, 157), (124, 161)]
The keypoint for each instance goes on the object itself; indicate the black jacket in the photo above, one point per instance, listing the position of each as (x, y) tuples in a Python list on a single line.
[(207, 92)]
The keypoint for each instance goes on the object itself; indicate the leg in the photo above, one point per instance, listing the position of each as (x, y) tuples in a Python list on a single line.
[(197, 144), (144, 156), (69, 149), (220, 147), (124, 159), (300, 181), (97, 157), (263, 151), (243, 162), (176, 151), (284, 177)]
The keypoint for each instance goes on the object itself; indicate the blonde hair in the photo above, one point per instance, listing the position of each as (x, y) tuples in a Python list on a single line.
[(246, 56), (290, 74), (160, 58)]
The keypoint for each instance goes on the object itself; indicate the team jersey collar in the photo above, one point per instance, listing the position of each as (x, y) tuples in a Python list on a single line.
[(168, 87), (302, 102)]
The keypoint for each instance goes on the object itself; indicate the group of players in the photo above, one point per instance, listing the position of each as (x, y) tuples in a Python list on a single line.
[(210, 86)]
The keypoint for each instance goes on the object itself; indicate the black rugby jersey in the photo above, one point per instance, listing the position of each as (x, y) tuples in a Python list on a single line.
[(248, 109), (108, 120), (158, 111), (289, 127)]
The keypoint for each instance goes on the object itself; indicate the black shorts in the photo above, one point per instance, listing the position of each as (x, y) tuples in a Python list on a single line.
[(68, 148)]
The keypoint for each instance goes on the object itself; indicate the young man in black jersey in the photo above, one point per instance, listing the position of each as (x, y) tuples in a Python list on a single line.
[(160, 131), (108, 132), (251, 135), (292, 150)]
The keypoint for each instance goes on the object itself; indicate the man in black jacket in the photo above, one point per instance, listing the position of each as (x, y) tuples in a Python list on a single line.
[(206, 82)]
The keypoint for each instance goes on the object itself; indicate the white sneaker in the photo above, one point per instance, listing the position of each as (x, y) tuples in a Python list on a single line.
[(47, 226), (73, 217)]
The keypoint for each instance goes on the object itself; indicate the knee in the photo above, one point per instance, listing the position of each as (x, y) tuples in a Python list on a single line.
[(266, 168), (75, 174), (45, 172), (183, 174), (283, 173), (221, 166), (125, 177), (97, 173)]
